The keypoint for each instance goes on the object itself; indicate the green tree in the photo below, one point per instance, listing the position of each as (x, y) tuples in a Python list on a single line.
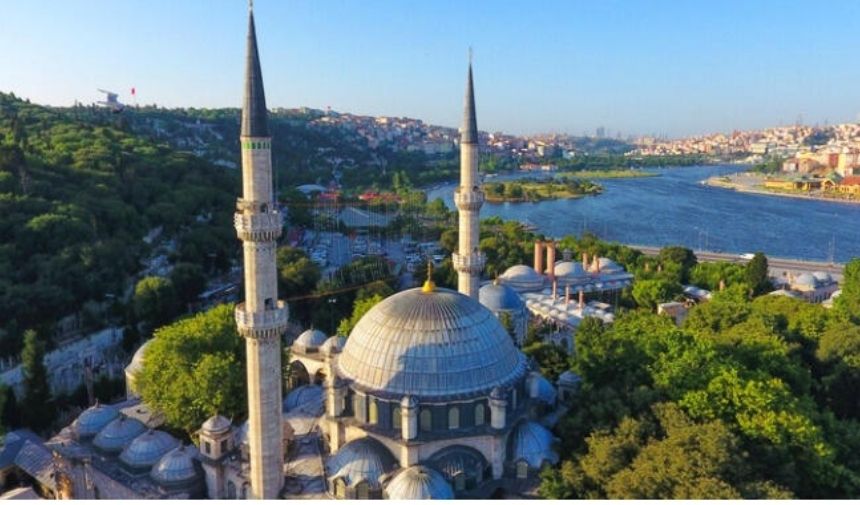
[(37, 410), (757, 276), (681, 256), (194, 369), (649, 293), (188, 281), (847, 304), (362, 306), (154, 302)]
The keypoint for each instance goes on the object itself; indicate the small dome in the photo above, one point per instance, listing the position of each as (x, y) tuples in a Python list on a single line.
[(419, 483), (216, 424), (309, 339), (334, 343), (438, 344), (94, 419), (569, 270), (822, 277), (308, 398), (365, 459), (136, 364), (145, 450), (498, 297), (532, 443), (498, 394), (177, 467), (609, 266), (805, 280), (543, 390), (522, 278), (118, 433)]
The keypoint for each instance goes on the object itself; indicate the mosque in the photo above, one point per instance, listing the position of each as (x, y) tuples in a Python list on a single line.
[(428, 397)]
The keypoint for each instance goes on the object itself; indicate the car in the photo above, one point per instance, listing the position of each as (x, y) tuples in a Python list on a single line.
[(746, 256)]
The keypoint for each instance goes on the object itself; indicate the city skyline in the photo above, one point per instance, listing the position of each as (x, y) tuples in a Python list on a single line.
[(644, 68)]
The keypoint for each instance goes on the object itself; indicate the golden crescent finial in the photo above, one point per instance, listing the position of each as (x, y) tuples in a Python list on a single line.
[(429, 285)]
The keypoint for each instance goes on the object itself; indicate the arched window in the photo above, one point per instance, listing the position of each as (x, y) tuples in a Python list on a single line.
[(362, 491), (479, 414), (426, 420), (460, 482), (522, 469), (244, 493), (373, 412), (453, 418), (231, 490), (339, 489), (395, 418), (514, 399)]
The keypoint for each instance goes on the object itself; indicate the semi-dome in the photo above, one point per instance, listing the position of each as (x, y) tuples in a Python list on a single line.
[(498, 297), (522, 278), (118, 433), (308, 398), (136, 364), (365, 459), (430, 344), (145, 450), (419, 483), (216, 424), (94, 419), (569, 270), (532, 443), (178, 467), (310, 339)]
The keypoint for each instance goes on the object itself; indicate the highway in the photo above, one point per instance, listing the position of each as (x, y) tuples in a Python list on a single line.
[(778, 266)]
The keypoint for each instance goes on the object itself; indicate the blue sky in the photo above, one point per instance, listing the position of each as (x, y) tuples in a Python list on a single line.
[(639, 67)]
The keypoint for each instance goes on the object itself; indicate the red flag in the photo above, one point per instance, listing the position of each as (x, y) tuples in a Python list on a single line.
[(132, 91)]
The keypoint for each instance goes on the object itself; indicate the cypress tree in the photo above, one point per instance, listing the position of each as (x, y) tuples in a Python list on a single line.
[(36, 407)]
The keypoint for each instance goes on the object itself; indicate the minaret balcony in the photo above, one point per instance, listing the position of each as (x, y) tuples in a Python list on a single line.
[(468, 200), (268, 323), (258, 226), (470, 263)]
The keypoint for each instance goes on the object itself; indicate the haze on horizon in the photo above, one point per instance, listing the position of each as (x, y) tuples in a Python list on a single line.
[(653, 66)]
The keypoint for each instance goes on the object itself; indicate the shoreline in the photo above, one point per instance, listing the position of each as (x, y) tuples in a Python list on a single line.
[(731, 186)]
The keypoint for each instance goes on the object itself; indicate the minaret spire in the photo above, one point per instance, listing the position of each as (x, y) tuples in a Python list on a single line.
[(468, 260), (261, 318), (254, 122)]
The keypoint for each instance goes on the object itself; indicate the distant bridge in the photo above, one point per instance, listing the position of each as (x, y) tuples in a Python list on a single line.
[(777, 265)]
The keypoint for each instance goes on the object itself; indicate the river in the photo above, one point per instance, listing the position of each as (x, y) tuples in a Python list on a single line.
[(675, 208)]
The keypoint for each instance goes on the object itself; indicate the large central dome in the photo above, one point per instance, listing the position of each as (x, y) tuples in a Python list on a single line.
[(430, 344)]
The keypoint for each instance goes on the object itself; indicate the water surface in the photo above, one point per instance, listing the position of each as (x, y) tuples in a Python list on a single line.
[(675, 208)]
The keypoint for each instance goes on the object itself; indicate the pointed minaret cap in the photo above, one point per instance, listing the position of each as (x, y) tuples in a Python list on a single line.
[(469, 131), (254, 122)]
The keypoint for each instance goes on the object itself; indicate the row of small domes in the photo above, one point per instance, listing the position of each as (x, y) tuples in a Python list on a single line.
[(171, 462)]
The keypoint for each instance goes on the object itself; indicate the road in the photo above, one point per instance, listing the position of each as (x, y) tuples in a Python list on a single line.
[(778, 266)]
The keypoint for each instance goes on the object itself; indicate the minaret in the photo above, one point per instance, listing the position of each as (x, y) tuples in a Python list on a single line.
[(468, 260), (262, 318)]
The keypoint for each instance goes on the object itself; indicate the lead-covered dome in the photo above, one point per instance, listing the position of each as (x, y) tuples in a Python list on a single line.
[(92, 420), (522, 278), (419, 483), (178, 467), (118, 433), (309, 340), (498, 297), (431, 345), (145, 450)]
